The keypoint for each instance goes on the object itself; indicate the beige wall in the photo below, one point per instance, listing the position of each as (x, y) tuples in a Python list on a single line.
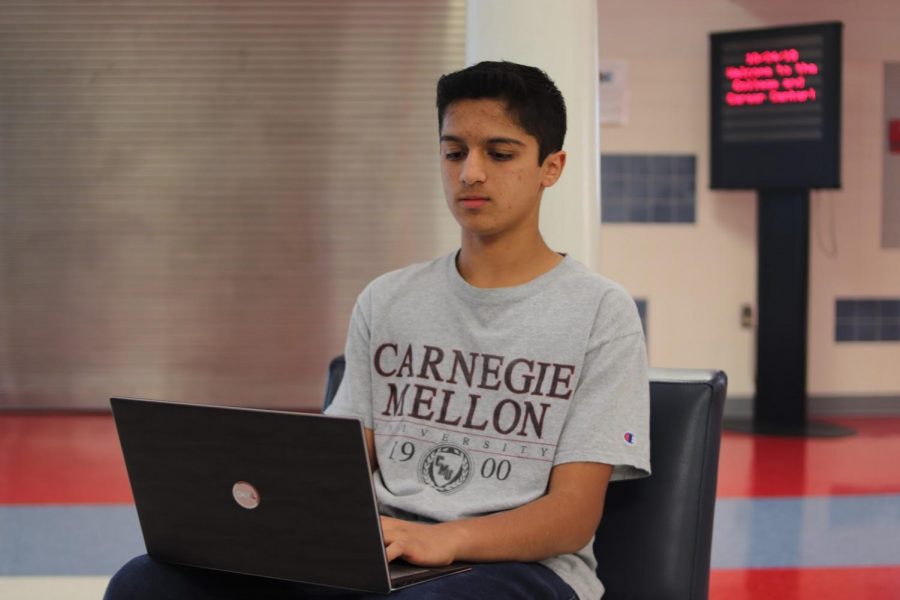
[(695, 277), (193, 193)]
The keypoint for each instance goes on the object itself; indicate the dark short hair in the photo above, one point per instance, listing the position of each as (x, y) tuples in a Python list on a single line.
[(532, 99)]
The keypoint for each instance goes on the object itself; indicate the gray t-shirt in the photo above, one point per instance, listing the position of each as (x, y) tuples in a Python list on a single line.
[(475, 394)]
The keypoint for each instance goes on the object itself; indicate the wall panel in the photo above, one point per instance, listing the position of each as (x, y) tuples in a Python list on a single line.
[(193, 192)]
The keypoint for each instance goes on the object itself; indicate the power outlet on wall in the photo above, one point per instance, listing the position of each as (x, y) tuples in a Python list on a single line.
[(746, 316)]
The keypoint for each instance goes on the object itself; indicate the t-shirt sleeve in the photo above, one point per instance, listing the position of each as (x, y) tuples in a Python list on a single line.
[(609, 420), (354, 396)]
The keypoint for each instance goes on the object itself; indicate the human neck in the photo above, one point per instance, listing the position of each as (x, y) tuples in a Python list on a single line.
[(504, 263)]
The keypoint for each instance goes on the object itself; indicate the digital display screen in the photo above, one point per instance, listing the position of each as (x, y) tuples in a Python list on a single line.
[(775, 107)]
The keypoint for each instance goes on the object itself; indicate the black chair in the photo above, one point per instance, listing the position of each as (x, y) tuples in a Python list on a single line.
[(655, 539), (335, 374)]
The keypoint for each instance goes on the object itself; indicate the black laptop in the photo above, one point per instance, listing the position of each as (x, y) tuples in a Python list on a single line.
[(268, 493)]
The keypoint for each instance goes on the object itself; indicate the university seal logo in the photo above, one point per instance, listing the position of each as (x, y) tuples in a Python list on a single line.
[(446, 468)]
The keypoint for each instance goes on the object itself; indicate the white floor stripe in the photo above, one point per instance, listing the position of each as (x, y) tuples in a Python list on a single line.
[(52, 588)]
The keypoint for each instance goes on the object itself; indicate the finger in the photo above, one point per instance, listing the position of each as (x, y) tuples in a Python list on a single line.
[(394, 550)]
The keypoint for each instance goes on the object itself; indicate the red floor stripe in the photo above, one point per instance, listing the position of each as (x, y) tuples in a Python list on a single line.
[(869, 583), (75, 458), (754, 466), (61, 459)]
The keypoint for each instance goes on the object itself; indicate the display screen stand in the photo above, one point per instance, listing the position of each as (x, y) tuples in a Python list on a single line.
[(780, 404)]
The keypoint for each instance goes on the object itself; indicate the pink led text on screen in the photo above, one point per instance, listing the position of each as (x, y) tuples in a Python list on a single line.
[(771, 77)]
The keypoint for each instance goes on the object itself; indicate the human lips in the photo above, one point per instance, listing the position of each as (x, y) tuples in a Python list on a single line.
[(473, 201)]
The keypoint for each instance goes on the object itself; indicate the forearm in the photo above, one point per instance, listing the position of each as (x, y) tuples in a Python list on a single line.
[(540, 529), (561, 521)]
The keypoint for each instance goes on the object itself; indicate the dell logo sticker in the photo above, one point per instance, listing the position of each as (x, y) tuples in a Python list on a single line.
[(245, 495)]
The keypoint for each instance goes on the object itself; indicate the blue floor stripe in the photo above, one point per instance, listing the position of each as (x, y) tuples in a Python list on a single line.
[(831, 531), (68, 540), (749, 533)]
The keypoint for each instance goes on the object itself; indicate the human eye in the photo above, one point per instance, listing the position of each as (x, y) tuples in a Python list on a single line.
[(501, 156), (454, 155)]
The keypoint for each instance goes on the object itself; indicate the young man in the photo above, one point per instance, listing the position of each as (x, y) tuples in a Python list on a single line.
[(501, 386)]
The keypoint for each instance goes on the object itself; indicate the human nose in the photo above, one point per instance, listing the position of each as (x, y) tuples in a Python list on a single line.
[(472, 171)]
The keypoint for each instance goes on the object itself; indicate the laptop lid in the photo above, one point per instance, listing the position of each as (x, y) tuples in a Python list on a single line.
[(269, 493)]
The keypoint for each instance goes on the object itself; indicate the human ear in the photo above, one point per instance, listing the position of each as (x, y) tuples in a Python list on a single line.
[(552, 168)]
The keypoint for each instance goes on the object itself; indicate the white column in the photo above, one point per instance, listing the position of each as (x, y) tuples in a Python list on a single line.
[(561, 39)]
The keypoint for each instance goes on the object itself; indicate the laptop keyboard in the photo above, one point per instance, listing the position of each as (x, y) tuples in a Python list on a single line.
[(398, 570)]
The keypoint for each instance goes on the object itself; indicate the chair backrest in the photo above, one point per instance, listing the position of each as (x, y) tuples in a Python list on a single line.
[(655, 539), (335, 374)]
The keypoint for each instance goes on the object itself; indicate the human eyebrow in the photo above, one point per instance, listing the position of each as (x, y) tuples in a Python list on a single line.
[(505, 140), (490, 141)]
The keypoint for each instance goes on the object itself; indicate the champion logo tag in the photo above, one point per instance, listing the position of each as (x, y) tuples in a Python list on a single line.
[(630, 438)]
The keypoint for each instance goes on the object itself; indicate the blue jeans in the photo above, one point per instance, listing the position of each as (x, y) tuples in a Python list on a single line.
[(144, 578)]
